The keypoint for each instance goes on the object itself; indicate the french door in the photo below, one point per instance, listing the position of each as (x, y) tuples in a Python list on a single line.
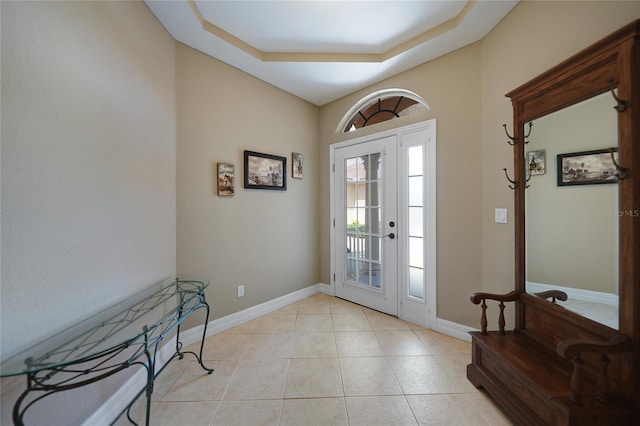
[(384, 222), (366, 247)]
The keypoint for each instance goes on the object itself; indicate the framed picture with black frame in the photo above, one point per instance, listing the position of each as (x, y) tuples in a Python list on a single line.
[(587, 167), (265, 171)]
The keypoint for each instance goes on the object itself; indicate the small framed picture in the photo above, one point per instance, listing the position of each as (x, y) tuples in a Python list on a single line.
[(226, 179), (265, 171), (536, 162), (587, 167), (296, 165)]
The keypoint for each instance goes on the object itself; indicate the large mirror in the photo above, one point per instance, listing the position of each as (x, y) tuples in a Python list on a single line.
[(572, 208)]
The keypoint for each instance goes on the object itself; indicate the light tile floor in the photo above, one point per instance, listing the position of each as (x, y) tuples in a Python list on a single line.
[(323, 361)]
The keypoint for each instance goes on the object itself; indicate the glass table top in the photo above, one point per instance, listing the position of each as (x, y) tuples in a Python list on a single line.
[(150, 314)]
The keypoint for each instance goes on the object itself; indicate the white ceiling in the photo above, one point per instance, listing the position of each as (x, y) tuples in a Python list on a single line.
[(323, 50)]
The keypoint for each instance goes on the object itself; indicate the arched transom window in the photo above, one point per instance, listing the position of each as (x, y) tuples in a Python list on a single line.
[(381, 106)]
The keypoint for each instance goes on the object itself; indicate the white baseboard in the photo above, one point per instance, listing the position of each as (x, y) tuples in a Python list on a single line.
[(453, 329), (326, 289), (129, 390), (221, 324), (123, 396)]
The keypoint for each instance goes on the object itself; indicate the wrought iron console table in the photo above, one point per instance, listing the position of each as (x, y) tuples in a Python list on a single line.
[(126, 334)]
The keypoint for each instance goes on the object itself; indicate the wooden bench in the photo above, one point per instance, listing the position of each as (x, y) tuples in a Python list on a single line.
[(541, 384), (559, 367)]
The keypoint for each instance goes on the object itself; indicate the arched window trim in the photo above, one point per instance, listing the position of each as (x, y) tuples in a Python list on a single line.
[(384, 93)]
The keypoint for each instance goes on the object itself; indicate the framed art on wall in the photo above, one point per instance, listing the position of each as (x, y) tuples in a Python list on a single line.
[(536, 162), (226, 179), (264, 171), (296, 165), (587, 167)]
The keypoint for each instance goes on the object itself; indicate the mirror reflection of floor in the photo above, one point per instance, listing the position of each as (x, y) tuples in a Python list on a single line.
[(600, 312)]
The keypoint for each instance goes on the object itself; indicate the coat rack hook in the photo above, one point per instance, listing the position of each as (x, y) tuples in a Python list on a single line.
[(528, 133), (623, 172), (513, 140), (514, 184), (622, 104)]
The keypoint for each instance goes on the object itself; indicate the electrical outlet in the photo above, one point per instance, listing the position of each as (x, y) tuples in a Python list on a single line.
[(240, 290)]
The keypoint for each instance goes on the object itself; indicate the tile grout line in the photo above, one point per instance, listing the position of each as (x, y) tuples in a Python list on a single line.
[(334, 310)]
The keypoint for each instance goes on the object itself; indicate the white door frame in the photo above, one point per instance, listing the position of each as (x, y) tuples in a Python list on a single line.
[(428, 319)]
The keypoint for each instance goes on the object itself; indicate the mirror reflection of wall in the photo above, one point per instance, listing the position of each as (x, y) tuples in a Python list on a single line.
[(572, 231)]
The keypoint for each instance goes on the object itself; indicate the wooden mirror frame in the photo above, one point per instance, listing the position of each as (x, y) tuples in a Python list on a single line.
[(613, 62)]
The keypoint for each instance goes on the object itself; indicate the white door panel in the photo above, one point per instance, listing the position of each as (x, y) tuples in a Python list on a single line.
[(365, 243)]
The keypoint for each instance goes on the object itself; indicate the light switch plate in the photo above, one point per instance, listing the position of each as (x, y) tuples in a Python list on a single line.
[(501, 215)]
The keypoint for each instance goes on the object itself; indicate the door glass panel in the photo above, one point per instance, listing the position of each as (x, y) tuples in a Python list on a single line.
[(415, 160), (376, 196), (376, 166), (416, 279), (363, 220), (358, 271), (375, 275), (415, 190), (375, 221), (351, 169), (416, 257), (376, 243), (352, 217), (415, 222), (415, 219)]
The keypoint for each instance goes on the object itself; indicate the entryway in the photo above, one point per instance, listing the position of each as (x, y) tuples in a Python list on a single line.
[(383, 221)]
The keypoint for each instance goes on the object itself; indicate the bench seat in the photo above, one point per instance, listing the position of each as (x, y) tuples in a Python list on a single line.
[(533, 385)]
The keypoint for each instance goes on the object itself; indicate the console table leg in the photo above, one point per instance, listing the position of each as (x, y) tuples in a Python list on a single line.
[(204, 334), (17, 412), (150, 376), (205, 305)]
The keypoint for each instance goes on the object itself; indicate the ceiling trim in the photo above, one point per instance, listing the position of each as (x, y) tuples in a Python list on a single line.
[(222, 34), (328, 56), (428, 35)]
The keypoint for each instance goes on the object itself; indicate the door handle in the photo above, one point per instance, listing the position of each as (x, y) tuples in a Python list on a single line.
[(391, 236)]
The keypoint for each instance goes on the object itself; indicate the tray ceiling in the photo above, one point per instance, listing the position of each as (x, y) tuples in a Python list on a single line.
[(323, 50)]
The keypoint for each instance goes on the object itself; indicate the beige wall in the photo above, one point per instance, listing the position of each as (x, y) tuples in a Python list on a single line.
[(88, 169), (451, 87), (466, 93), (264, 240)]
